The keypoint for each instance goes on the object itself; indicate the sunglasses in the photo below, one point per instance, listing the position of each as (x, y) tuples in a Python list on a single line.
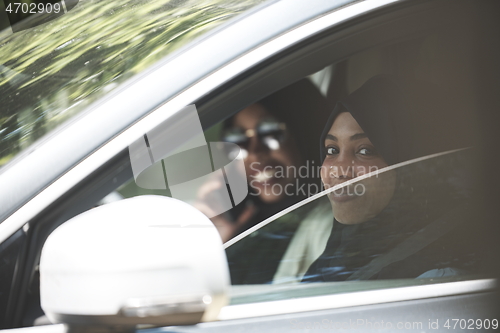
[(271, 133)]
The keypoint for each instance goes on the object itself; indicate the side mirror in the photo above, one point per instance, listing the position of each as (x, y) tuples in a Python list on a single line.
[(145, 260)]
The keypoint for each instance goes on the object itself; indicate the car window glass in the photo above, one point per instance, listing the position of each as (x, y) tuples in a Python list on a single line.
[(51, 72), (396, 123)]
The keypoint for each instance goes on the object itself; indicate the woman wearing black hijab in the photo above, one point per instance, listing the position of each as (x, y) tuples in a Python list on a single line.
[(402, 222)]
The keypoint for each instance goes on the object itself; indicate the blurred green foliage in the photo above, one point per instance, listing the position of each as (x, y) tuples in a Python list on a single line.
[(53, 71)]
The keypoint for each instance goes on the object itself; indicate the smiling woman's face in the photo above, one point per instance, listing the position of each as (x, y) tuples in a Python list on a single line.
[(264, 160), (350, 154)]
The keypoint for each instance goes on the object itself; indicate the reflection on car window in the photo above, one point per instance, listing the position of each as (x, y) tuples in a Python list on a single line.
[(51, 72)]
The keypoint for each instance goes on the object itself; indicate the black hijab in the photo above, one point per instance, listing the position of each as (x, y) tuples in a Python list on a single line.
[(395, 117), (378, 107)]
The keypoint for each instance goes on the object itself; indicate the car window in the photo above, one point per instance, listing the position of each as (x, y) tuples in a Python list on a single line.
[(381, 111), (51, 72), (393, 107)]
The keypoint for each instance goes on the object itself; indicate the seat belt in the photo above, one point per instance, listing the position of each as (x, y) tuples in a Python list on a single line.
[(412, 244)]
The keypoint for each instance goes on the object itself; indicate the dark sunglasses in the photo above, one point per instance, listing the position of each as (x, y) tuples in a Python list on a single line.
[(270, 132)]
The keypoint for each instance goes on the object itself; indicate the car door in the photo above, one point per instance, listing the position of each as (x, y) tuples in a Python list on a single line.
[(302, 51)]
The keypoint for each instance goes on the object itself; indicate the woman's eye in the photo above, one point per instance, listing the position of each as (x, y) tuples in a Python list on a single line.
[(366, 151), (331, 151)]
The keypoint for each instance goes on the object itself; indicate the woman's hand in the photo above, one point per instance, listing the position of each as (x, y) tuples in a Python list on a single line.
[(208, 202)]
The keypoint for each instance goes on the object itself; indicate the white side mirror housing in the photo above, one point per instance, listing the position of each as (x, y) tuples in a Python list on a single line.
[(145, 260)]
